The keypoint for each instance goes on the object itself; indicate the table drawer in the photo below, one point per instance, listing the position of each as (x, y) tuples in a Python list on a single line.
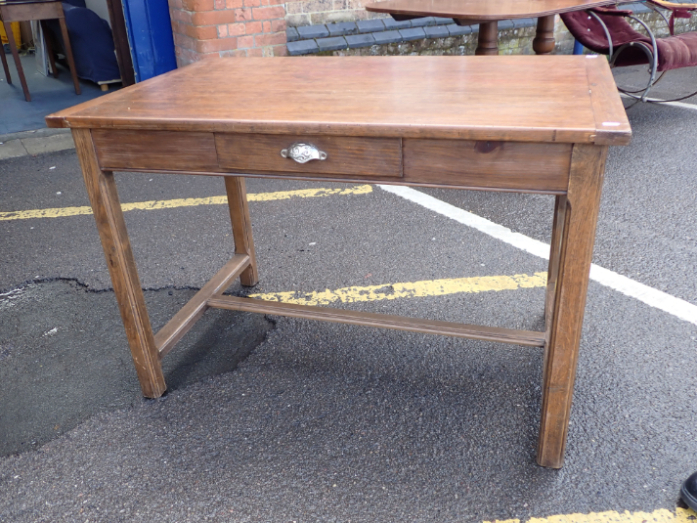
[(488, 164), (345, 155), (155, 150)]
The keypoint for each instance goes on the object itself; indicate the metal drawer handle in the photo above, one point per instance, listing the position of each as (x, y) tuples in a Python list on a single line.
[(303, 153)]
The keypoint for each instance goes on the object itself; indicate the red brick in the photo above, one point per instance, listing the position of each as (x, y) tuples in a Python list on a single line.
[(236, 53), (255, 52), (205, 32), (197, 5), (244, 42), (253, 28), (252, 3), (185, 57), (278, 25), (280, 50), (242, 15), (266, 27), (174, 4), (213, 17), (181, 16), (233, 4), (220, 44), (222, 31), (236, 29), (269, 13), (271, 39), (184, 41), (219, 4)]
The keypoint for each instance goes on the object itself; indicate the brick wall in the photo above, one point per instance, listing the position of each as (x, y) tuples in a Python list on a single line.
[(212, 28)]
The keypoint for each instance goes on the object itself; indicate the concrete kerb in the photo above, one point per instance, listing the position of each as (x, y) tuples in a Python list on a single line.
[(31, 143)]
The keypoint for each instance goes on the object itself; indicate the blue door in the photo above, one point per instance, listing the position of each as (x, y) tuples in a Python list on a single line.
[(150, 35)]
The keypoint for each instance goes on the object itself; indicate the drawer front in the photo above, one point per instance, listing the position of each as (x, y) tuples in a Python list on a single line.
[(485, 164), (345, 155), (156, 150)]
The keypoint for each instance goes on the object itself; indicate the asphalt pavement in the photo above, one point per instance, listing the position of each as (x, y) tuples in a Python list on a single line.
[(276, 419)]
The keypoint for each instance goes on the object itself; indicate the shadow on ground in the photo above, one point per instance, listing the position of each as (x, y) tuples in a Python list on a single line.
[(64, 356)]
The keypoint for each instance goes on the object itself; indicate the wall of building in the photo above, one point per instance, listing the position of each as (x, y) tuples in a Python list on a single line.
[(204, 28), (212, 28)]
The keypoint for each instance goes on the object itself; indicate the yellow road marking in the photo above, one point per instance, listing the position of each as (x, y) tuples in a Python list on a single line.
[(62, 212), (417, 289), (680, 515)]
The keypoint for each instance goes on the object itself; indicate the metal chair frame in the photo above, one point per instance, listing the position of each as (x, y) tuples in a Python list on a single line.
[(651, 53)]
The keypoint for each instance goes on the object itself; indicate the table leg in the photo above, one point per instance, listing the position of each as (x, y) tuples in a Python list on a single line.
[(488, 43), (101, 190), (18, 63), (69, 53), (242, 227), (543, 43), (561, 352)]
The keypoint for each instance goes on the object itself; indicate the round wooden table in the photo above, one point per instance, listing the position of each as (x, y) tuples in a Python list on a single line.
[(488, 14)]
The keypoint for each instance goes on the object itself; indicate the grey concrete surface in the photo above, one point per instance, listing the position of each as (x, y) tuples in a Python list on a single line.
[(31, 143), (301, 421), (48, 95)]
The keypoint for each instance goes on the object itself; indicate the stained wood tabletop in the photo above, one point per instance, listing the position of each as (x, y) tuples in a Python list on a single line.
[(483, 10), (472, 97)]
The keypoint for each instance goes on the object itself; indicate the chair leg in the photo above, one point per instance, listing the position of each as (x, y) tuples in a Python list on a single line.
[(18, 63)]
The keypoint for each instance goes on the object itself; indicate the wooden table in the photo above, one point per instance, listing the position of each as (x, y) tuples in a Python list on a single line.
[(488, 13), (23, 10), (522, 124)]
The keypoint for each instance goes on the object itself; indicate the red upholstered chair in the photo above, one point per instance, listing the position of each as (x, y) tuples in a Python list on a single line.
[(606, 30)]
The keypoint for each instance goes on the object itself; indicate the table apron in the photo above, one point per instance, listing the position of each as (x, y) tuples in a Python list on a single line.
[(470, 164), (36, 11)]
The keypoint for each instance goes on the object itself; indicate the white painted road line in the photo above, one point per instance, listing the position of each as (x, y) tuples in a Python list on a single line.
[(648, 295)]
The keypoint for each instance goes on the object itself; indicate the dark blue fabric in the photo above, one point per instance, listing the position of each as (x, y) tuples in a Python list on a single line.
[(91, 41)]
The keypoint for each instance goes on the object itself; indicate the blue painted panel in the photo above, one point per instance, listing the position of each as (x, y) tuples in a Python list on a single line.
[(150, 34)]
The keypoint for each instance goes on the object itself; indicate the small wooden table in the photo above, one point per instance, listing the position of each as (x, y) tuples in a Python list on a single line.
[(523, 124), (488, 13), (22, 10)]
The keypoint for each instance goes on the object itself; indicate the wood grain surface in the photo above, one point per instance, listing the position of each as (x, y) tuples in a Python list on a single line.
[(101, 189), (510, 165), (183, 151), (385, 321), (483, 10), (470, 97), (347, 155), (561, 352), (167, 337)]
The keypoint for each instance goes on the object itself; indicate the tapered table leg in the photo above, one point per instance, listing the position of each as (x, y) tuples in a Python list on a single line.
[(242, 227), (101, 190), (561, 350), (18, 63)]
